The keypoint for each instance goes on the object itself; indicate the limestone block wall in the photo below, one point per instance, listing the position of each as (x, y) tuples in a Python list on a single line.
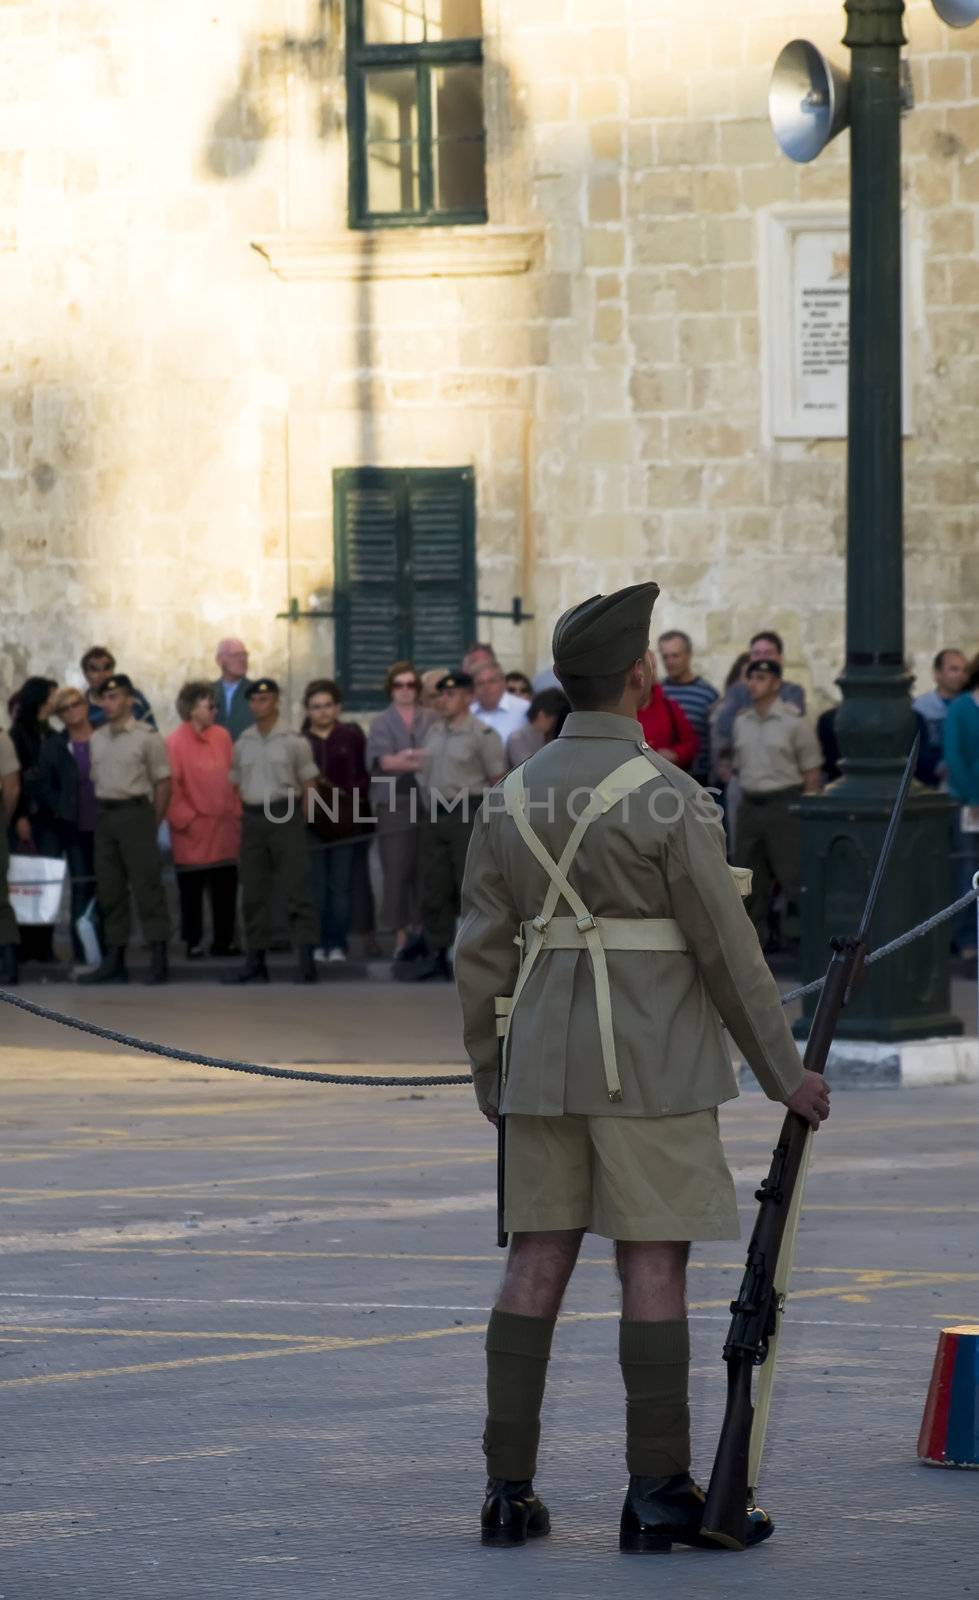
[(173, 402)]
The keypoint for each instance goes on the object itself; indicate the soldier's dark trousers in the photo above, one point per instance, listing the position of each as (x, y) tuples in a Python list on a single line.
[(9, 932), (768, 841), (444, 842), (127, 858), (274, 851)]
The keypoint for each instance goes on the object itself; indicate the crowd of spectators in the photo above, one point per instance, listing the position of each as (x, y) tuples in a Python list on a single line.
[(107, 794)]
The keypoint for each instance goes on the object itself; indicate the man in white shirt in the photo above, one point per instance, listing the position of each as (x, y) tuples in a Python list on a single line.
[(502, 712)]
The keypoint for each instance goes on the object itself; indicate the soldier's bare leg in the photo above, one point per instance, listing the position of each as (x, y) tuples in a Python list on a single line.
[(654, 1279), (537, 1272), (654, 1354)]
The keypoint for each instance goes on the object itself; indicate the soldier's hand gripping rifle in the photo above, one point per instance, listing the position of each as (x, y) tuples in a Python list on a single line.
[(757, 1312)]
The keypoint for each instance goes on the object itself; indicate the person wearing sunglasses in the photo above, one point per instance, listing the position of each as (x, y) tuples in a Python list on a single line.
[(394, 758)]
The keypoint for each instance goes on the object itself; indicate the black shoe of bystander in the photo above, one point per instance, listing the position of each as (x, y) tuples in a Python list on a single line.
[(306, 970), (111, 969), (159, 963), (433, 967), (254, 970)]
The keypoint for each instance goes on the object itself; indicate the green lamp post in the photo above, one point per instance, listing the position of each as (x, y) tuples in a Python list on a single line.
[(907, 997)]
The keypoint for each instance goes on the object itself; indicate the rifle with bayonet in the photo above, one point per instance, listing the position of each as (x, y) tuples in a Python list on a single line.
[(757, 1312)]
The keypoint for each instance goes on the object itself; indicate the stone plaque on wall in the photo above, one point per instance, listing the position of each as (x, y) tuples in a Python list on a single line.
[(805, 291)]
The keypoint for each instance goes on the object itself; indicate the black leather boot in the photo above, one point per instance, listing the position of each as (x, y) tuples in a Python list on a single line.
[(512, 1513), (9, 966), (660, 1512), (111, 969), (254, 970), (306, 970), (159, 965)]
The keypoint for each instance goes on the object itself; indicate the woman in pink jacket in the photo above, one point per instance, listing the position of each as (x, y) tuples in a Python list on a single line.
[(205, 821)]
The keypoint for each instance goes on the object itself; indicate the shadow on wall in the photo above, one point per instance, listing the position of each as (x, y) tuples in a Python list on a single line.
[(47, 433), (245, 120)]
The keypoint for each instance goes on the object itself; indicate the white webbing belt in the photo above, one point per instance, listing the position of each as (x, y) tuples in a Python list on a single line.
[(616, 933), (623, 781)]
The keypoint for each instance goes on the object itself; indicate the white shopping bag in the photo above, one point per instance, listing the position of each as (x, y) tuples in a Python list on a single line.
[(88, 938), (35, 884)]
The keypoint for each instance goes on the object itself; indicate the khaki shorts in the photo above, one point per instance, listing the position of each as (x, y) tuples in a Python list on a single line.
[(652, 1178)]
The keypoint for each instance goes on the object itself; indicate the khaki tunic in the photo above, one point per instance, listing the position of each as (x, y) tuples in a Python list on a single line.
[(267, 766), (461, 760), (772, 752), (637, 860), (128, 761)]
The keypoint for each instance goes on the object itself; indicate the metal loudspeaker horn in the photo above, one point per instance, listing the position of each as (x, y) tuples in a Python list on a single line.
[(809, 99), (957, 13)]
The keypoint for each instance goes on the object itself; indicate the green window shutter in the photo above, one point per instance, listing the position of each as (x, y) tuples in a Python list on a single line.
[(370, 620), (441, 563), (405, 564)]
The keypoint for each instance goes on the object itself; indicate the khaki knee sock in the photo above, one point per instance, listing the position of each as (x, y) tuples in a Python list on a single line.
[(655, 1361), (517, 1351)]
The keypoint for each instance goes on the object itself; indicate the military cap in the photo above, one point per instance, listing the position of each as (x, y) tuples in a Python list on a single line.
[(262, 686), (455, 680), (119, 680), (770, 668), (606, 633)]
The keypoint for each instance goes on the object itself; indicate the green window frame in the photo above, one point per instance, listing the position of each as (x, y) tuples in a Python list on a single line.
[(404, 545), (435, 155)]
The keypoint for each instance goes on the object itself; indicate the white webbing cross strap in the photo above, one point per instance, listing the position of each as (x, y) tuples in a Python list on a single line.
[(625, 780)]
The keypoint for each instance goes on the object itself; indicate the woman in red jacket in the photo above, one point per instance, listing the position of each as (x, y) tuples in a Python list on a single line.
[(667, 729), (205, 821)]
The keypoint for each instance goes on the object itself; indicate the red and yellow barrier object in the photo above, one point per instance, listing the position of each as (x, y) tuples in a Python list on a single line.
[(950, 1427)]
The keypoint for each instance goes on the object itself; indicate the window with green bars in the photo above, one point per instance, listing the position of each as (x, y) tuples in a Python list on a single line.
[(405, 572), (415, 112)]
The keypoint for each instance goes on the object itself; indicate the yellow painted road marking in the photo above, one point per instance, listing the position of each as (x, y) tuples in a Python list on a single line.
[(313, 1347), (158, 1333), (215, 1185), (864, 1273)]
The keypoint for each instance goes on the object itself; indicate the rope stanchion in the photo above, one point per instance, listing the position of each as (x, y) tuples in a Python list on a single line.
[(370, 1081)]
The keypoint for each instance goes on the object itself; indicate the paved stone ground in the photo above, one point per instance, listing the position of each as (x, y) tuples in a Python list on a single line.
[(240, 1328)]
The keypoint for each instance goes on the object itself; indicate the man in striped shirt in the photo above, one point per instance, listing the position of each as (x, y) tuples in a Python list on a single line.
[(693, 694)]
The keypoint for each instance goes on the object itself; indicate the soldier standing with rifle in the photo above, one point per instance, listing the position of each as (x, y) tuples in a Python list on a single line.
[(606, 864)]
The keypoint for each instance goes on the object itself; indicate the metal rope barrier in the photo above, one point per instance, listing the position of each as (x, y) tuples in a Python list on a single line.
[(356, 1080)]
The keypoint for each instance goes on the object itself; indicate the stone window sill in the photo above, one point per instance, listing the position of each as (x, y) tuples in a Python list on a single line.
[(469, 252)]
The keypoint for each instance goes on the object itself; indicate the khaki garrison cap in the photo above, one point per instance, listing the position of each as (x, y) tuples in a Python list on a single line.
[(606, 633)]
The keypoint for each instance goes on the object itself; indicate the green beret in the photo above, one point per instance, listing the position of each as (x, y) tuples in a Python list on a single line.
[(606, 633)]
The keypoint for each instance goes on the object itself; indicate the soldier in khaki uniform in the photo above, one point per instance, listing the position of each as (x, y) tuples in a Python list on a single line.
[(274, 771), (777, 759), (131, 776), (603, 927), (463, 758), (9, 795)]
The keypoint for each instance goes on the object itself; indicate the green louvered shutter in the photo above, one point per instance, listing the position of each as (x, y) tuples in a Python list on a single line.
[(405, 573), (439, 569)]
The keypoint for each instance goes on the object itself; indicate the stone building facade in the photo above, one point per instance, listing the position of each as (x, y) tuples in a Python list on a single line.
[(198, 348)]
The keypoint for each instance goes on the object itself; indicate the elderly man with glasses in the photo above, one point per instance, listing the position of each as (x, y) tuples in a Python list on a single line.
[(68, 795)]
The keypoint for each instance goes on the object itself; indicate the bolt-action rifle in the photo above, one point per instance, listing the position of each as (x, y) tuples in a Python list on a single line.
[(756, 1314)]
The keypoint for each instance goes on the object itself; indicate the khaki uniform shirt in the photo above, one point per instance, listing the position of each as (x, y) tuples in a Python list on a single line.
[(462, 760), (640, 859), (128, 761), (772, 752), (9, 764), (266, 766)]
